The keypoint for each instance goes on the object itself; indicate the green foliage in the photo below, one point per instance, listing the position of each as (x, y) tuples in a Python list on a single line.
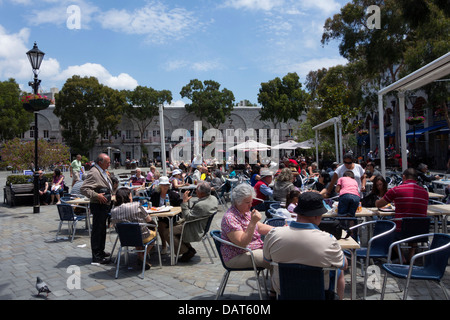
[(282, 99), (22, 179), (208, 102), (20, 154), (87, 109), (14, 120)]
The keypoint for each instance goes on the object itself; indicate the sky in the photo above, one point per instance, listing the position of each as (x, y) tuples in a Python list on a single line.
[(163, 44)]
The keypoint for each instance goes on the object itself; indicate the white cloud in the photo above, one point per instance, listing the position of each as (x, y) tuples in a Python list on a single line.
[(264, 5), (155, 20), (199, 66), (14, 64), (304, 67)]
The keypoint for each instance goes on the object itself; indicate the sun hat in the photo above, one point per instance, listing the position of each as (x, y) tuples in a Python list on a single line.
[(176, 171), (310, 204), (164, 180), (265, 173)]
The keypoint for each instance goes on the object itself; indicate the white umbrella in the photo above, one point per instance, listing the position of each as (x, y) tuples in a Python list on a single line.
[(308, 144), (289, 145), (250, 145)]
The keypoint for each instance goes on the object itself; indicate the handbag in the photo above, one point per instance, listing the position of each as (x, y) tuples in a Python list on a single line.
[(333, 227)]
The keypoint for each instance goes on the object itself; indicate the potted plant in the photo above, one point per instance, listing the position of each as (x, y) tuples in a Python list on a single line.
[(35, 102), (415, 120)]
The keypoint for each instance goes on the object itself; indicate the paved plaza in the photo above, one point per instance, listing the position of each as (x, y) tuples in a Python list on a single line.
[(28, 249)]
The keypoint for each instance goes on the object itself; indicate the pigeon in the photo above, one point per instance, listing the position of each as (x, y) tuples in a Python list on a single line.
[(41, 286)]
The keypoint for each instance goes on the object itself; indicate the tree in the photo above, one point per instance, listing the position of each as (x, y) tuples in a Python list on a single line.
[(282, 99), (86, 110), (14, 120), (143, 105), (20, 154), (208, 103)]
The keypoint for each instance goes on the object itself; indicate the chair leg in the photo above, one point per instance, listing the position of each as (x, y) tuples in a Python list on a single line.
[(383, 289), (59, 230), (74, 229), (444, 290), (207, 251), (258, 285), (405, 295), (145, 261), (114, 247), (210, 244), (118, 261), (222, 285)]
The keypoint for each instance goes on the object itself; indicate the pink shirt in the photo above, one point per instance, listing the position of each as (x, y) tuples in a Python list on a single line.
[(233, 220), (348, 186)]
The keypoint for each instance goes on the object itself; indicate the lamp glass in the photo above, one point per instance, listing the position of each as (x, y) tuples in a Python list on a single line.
[(35, 56)]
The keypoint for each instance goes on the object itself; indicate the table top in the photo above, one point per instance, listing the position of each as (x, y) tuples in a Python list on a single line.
[(434, 209), (191, 186), (365, 212), (435, 195), (78, 201), (348, 243), (173, 212), (442, 182)]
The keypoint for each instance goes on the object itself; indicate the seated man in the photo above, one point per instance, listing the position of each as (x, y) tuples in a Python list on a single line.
[(262, 189), (138, 179), (303, 243), (410, 199), (44, 193), (204, 207)]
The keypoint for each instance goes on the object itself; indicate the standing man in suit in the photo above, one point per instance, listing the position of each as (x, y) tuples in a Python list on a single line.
[(205, 206), (98, 187)]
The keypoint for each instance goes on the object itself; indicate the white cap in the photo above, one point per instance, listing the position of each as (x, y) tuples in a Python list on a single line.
[(164, 180)]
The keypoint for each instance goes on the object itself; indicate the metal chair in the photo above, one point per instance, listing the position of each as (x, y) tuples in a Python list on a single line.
[(130, 235), (276, 222), (413, 226), (218, 241), (66, 213), (209, 220), (377, 246), (433, 269), (300, 282)]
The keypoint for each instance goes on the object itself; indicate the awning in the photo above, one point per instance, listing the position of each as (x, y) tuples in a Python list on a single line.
[(410, 133)]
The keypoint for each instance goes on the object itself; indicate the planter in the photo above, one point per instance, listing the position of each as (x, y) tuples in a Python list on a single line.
[(35, 105), (414, 121)]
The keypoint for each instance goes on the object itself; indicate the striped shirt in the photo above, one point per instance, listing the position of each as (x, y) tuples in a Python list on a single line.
[(131, 212), (410, 200)]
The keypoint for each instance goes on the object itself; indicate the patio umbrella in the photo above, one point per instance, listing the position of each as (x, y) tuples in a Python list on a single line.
[(289, 145), (250, 145), (308, 144)]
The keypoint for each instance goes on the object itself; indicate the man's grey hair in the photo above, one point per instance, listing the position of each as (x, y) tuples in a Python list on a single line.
[(241, 192), (204, 187)]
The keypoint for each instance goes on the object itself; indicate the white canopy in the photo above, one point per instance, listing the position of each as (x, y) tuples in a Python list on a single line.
[(435, 70), (308, 144), (250, 145), (337, 122), (289, 145)]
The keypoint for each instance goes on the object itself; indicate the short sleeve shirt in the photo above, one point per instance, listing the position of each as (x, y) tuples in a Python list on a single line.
[(232, 221), (358, 171), (131, 212), (76, 165)]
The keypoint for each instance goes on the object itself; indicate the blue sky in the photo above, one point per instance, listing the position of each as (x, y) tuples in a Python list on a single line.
[(165, 44)]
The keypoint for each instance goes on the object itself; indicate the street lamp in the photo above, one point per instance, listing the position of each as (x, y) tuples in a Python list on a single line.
[(35, 56)]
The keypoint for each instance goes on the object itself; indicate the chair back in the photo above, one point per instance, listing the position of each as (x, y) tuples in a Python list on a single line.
[(130, 234), (270, 213), (208, 224), (65, 212), (437, 261), (301, 282), (381, 245), (413, 226), (276, 222), (274, 205)]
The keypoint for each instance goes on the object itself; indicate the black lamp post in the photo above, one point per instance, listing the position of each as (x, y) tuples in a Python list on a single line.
[(35, 56)]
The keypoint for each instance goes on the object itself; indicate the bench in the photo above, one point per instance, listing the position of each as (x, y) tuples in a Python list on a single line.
[(15, 192)]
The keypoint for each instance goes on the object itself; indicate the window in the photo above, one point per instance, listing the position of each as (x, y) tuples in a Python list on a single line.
[(32, 132), (46, 134), (128, 134)]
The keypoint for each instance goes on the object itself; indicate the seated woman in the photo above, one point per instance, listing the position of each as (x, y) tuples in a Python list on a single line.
[(379, 189), (57, 186), (177, 180), (157, 199), (150, 175), (283, 184), (126, 210), (243, 228)]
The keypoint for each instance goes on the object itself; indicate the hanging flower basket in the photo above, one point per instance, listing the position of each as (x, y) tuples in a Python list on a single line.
[(363, 132), (415, 120), (35, 102)]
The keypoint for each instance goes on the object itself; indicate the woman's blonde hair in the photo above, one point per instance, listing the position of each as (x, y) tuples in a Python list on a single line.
[(285, 175)]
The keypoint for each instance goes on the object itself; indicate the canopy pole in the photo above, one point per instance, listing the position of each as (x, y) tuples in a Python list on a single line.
[(401, 95), (336, 145), (381, 150), (317, 149)]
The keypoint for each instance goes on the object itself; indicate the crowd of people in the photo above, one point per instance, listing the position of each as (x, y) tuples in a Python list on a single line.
[(299, 185)]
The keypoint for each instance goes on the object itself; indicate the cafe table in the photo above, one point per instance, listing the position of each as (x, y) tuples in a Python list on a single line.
[(351, 245), (169, 213), (85, 203)]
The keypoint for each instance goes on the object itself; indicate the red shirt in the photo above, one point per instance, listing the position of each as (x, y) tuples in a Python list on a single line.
[(410, 200), (259, 194)]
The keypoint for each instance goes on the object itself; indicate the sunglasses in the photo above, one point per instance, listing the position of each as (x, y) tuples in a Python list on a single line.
[(348, 162)]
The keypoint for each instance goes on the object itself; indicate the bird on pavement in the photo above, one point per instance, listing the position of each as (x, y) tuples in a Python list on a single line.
[(41, 286)]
